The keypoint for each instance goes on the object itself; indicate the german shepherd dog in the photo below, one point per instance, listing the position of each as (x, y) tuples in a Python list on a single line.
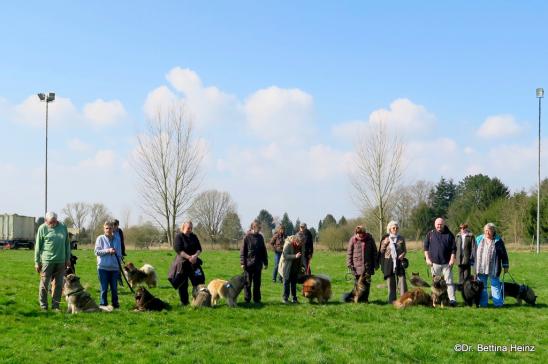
[(471, 291), (145, 301), (317, 287), (78, 299), (201, 296), (417, 281), (414, 297), (360, 292), (147, 274), (520, 292), (228, 290), (439, 291)]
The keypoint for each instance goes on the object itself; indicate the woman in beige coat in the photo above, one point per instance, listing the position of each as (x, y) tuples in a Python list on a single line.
[(291, 264)]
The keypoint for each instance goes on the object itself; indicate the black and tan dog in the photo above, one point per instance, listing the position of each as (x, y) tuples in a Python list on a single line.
[(417, 281), (78, 299), (317, 287), (145, 301), (229, 290), (471, 290), (439, 291), (201, 296), (360, 292), (520, 292), (415, 297), (147, 274)]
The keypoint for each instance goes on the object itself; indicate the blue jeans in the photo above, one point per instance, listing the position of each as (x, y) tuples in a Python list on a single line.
[(277, 256), (496, 291), (109, 278)]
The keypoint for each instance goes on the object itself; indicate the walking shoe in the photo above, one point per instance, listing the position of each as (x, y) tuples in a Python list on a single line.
[(294, 300), (285, 301), (273, 281), (453, 303)]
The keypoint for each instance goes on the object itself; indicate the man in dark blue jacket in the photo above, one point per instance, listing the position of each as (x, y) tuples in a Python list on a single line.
[(440, 254)]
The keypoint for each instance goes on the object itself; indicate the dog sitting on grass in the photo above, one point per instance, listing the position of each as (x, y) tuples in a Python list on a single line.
[(201, 296), (439, 291), (228, 290), (145, 301), (78, 299), (471, 291), (147, 274), (414, 297), (360, 292)]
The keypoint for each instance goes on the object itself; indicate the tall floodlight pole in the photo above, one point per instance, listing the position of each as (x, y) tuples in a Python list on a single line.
[(47, 99), (540, 95)]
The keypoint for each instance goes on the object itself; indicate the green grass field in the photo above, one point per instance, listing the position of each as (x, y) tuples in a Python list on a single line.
[(301, 333)]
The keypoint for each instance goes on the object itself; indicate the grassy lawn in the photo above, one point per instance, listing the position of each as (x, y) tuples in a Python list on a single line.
[(302, 333)]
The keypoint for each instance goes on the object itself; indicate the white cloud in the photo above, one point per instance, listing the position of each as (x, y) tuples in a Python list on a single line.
[(280, 114), (78, 145), (349, 130), (104, 113), (101, 161), (33, 112), (405, 116), (159, 100), (499, 126)]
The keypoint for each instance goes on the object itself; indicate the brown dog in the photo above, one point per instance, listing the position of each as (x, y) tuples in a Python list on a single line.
[(317, 287), (414, 297), (147, 274), (228, 290), (439, 291), (78, 299)]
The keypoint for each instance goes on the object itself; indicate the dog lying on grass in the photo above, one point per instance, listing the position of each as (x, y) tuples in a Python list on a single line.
[(78, 299), (417, 281), (229, 290), (201, 296), (415, 297), (147, 274), (317, 287), (145, 301)]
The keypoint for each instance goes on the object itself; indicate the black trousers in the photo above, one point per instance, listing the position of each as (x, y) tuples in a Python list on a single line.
[(253, 279), (196, 277), (464, 272)]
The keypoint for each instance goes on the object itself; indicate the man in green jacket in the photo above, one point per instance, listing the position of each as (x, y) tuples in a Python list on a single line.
[(51, 258)]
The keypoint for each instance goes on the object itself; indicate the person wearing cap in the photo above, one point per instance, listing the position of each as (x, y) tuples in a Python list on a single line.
[(51, 258), (489, 259), (440, 255), (361, 257), (393, 262), (308, 246), (465, 242)]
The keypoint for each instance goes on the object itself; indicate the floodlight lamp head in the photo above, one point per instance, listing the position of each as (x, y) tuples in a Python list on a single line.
[(42, 96), (51, 97), (540, 92)]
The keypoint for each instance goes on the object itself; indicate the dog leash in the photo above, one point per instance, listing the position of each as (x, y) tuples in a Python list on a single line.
[(122, 273)]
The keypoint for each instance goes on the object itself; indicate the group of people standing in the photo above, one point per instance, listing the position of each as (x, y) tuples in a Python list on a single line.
[(292, 256), (442, 251)]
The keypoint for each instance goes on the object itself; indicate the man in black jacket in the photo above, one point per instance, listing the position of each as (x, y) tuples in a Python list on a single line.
[(253, 257), (308, 246)]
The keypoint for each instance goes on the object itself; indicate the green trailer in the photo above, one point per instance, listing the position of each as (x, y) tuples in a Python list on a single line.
[(17, 231)]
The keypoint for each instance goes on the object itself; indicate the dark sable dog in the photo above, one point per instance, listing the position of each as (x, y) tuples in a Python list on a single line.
[(471, 291), (317, 287), (78, 299), (414, 297), (201, 296), (147, 274), (520, 292), (145, 301), (359, 293), (417, 281), (439, 291), (71, 269)]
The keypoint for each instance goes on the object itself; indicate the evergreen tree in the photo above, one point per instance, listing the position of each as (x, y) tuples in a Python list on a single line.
[(231, 228), (287, 224), (297, 224), (342, 221), (267, 223), (441, 197), (329, 221)]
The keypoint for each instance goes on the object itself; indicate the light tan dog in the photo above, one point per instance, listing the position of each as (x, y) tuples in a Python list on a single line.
[(317, 287), (228, 290), (414, 297), (78, 300), (147, 274)]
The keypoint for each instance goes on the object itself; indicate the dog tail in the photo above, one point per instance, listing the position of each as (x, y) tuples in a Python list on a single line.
[(347, 297), (326, 277), (148, 269), (108, 308)]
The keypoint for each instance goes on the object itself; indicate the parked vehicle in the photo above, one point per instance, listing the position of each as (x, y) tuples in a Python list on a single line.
[(17, 231)]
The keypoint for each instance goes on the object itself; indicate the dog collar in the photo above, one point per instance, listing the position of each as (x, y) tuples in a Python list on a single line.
[(74, 292)]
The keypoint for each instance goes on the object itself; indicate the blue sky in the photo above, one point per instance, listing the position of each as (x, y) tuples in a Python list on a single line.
[(278, 91)]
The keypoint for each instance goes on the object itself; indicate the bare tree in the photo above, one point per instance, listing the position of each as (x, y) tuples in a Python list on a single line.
[(378, 162), (126, 216), (98, 214), (209, 209), (167, 162), (406, 198), (77, 212)]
